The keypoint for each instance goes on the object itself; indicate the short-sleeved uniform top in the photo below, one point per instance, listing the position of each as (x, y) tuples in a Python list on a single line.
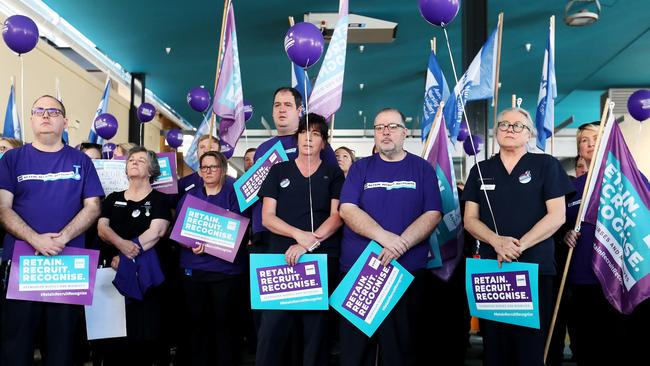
[(48, 188), (394, 194), (227, 200), (129, 219), (518, 200), (290, 189), (290, 145)]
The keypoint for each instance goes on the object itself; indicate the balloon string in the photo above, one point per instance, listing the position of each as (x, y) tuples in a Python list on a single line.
[(22, 99), (311, 204), (469, 131)]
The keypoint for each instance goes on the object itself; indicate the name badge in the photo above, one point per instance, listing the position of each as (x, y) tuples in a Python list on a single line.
[(574, 203), (189, 187), (120, 203), (488, 187)]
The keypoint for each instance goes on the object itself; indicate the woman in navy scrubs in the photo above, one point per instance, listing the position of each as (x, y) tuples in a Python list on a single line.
[(211, 286), (286, 213), (526, 193)]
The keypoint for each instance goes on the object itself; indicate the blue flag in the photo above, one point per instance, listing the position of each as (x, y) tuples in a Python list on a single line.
[(300, 82), (477, 83), (544, 117), (436, 90), (101, 108), (190, 156), (12, 123)]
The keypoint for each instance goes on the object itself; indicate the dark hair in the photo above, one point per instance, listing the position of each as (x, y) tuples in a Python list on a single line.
[(51, 97), (316, 122), (250, 149), (296, 94), (391, 109), (348, 150), (154, 167), (221, 160), (89, 145)]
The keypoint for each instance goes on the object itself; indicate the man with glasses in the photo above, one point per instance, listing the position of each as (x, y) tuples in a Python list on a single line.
[(49, 195), (392, 198)]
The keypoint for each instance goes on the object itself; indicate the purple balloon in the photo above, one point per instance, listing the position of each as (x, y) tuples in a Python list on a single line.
[(439, 12), (174, 138), (20, 33), (248, 111), (478, 145), (304, 44), (106, 126), (146, 112), (107, 150), (199, 99), (463, 132), (638, 104)]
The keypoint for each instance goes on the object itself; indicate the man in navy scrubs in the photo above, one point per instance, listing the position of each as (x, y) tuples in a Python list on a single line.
[(526, 192), (392, 198)]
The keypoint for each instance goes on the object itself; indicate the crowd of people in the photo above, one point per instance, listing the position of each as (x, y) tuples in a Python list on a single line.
[(520, 206)]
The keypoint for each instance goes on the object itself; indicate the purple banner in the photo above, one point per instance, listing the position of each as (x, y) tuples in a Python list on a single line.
[(67, 278), (200, 222), (502, 291), (370, 289), (285, 281)]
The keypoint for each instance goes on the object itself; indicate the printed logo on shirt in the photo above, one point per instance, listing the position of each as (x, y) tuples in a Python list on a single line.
[(525, 178), (408, 184), (285, 183), (74, 175)]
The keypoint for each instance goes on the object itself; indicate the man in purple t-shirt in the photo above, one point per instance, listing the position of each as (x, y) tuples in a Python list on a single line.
[(392, 198), (49, 196)]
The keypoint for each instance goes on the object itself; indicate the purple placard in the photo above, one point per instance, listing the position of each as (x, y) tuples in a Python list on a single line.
[(67, 278), (200, 222), (370, 288), (285, 281), (502, 290), (167, 182)]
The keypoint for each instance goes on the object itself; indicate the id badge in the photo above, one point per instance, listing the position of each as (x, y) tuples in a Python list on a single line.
[(488, 187)]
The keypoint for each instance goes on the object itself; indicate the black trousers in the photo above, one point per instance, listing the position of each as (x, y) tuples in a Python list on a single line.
[(399, 340), (596, 323), (23, 320), (508, 344), (273, 339), (213, 330)]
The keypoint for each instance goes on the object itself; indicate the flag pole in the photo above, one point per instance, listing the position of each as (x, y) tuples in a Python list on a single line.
[(552, 25), (576, 227), (226, 5), (433, 125), (496, 85), (514, 100)]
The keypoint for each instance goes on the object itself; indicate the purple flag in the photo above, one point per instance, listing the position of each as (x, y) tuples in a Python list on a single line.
[(447, 240), (618, 203), (228, 94), (326, 96)]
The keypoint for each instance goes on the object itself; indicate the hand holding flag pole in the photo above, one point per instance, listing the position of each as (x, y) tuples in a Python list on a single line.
[(607, 110)]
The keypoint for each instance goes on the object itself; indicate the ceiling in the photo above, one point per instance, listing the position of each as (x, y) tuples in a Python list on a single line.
[(614, 52)]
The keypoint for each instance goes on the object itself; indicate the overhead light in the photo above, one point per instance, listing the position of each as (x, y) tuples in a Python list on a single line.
[(361, 86), (168, 50), (578, 13), (528, 46)]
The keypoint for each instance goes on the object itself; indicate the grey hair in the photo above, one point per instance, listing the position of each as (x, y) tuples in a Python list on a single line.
[(527, 118), (154, 167)]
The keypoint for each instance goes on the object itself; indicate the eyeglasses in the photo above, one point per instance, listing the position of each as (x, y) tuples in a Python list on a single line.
[(516, 127), (52, 112), (207, 168), (392, 127)]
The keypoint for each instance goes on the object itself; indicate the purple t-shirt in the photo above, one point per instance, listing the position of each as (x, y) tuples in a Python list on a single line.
[(290, 145), (225, 199), (394, 194), (48, 188), (580, 271)]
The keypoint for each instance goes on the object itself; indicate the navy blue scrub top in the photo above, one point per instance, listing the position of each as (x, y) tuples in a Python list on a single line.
[(519, 200)]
